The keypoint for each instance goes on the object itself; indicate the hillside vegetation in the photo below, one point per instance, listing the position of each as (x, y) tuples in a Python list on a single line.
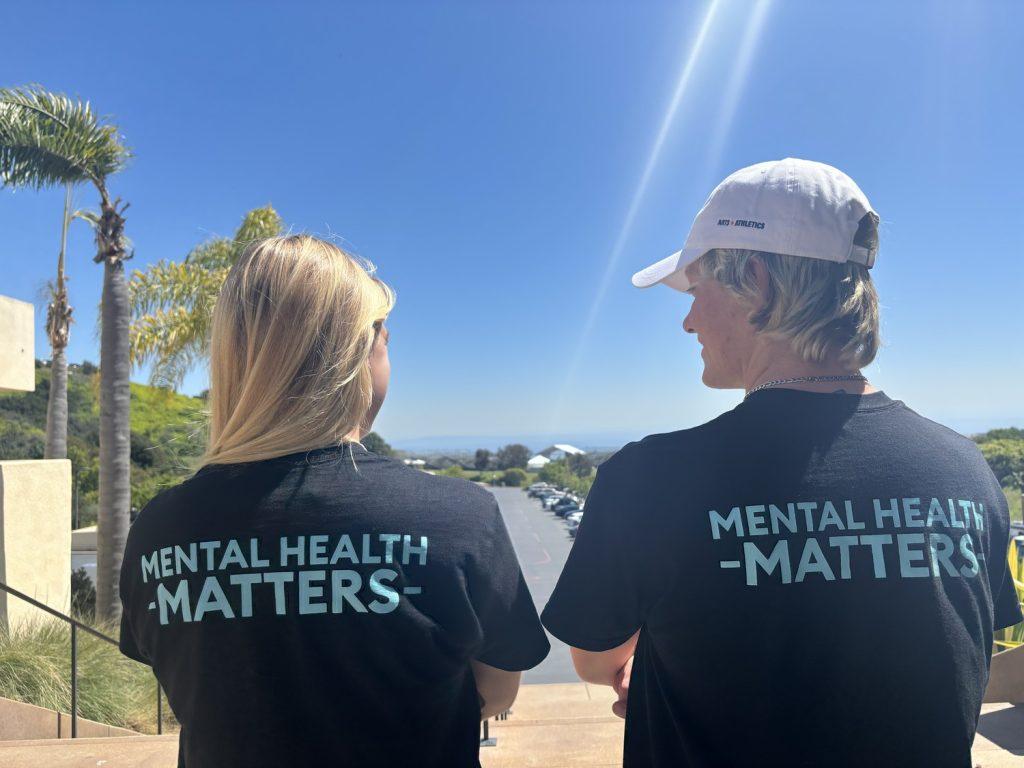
[(168, 432)]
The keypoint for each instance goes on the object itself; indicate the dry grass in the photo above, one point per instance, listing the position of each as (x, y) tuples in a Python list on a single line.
[(35, 667)]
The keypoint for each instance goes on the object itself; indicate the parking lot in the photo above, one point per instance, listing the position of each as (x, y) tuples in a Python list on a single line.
[(542, 544)]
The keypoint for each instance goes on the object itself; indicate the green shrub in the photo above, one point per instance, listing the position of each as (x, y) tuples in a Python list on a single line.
[(513, 477), (453, 471), (558, 473), (377, 444), (1013, 502), (1006, 458), (83, 596)]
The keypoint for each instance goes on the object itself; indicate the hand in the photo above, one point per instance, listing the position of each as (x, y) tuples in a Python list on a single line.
[(621, 686)]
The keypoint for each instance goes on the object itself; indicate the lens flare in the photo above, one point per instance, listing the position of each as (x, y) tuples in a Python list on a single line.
[(685, 76), (734, 90)]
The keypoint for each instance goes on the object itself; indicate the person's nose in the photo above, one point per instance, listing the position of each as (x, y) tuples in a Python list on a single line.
[(688, 322)]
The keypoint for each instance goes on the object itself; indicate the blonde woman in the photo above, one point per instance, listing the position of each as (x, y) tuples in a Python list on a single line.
[(302, 600), (813, 577)]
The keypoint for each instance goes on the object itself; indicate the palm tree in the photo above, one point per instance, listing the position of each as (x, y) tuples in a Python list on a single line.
[(47, 139), (172, 302), (58, 330)]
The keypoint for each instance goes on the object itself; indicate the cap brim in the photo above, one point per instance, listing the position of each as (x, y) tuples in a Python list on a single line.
[(671, 270)]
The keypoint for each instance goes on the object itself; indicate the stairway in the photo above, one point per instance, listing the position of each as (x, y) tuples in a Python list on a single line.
[(554, 726)]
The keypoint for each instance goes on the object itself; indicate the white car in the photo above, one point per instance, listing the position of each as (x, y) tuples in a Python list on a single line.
[(572, 521)]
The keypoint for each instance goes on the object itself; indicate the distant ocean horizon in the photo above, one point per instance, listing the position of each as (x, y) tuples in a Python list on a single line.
[(587, 441), (612, 440)]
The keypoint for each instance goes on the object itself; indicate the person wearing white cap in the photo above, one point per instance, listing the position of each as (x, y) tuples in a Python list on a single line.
[(813, 577)]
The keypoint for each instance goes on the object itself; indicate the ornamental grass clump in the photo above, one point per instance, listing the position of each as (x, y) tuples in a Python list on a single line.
[(35, 667)]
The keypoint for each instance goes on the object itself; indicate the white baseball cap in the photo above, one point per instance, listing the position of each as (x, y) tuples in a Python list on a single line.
[(793, 207)]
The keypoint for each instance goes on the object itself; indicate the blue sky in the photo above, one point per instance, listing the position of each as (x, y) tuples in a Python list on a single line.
[(486, 157)]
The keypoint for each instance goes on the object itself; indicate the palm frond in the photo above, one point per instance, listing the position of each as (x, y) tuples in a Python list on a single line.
[(221, 252), (176, 338), (213, 254), (92, 218), (172, 302), (48, 138), (168, 284), (257, 224), (171, 371)]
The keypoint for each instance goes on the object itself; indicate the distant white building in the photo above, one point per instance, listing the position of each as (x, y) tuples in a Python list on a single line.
[(417, 463), (537, 462), (553, 453), (561, 450), (83, 551)]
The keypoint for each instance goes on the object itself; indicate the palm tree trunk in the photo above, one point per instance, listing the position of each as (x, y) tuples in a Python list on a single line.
[(58, 328), (57, 407), (115, 404)]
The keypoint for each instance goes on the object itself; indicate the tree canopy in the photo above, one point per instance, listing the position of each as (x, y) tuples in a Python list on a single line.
[(513, 455), (48, 139), (172, 302)]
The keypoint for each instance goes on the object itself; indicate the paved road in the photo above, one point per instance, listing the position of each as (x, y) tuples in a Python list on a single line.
[(542, 545)]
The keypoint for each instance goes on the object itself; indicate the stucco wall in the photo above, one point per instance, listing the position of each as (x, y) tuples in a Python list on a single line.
[(35, 536), (17, 345)]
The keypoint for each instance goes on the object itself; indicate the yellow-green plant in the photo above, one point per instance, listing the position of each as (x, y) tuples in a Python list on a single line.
[(1013, 636), (172, 302)]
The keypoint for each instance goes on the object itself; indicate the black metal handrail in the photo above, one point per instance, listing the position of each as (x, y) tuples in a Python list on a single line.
[(486, 740), (75, 626)]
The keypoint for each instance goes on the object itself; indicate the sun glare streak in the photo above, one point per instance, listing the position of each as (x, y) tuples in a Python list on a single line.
[(682, 83), (737, 82)]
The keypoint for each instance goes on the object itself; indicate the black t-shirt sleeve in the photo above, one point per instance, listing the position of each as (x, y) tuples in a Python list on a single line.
[(1006, 603), (607, 584), (513, 638), (128, 644)]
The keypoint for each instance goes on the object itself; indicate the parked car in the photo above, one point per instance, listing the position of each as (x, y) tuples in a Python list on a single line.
[(566, 510), (572, 521), (550, 500), (565, 501)]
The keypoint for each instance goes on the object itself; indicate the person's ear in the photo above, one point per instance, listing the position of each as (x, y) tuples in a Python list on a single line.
[(762, 282)]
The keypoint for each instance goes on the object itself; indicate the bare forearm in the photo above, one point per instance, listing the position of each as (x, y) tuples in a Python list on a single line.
[(496, 688), (601, 667)]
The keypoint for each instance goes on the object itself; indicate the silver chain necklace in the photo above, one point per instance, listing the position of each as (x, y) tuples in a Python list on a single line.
[(852, 377)]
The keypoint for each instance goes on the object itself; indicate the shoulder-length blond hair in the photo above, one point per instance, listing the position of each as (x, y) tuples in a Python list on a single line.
[(821, 307), (291, 337)]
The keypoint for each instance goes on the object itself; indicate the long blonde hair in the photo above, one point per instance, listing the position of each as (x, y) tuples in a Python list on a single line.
[(292, 333)]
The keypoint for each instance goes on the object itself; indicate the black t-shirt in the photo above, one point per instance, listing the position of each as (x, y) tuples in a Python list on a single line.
[(816, 578), (322, 608)]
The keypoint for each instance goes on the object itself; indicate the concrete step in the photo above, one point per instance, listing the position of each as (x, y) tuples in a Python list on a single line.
[(21, 721), (557, 726), (121, 752), (554, 726)]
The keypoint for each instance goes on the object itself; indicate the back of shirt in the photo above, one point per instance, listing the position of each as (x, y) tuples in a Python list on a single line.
[(322, 608), (817, 578)]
